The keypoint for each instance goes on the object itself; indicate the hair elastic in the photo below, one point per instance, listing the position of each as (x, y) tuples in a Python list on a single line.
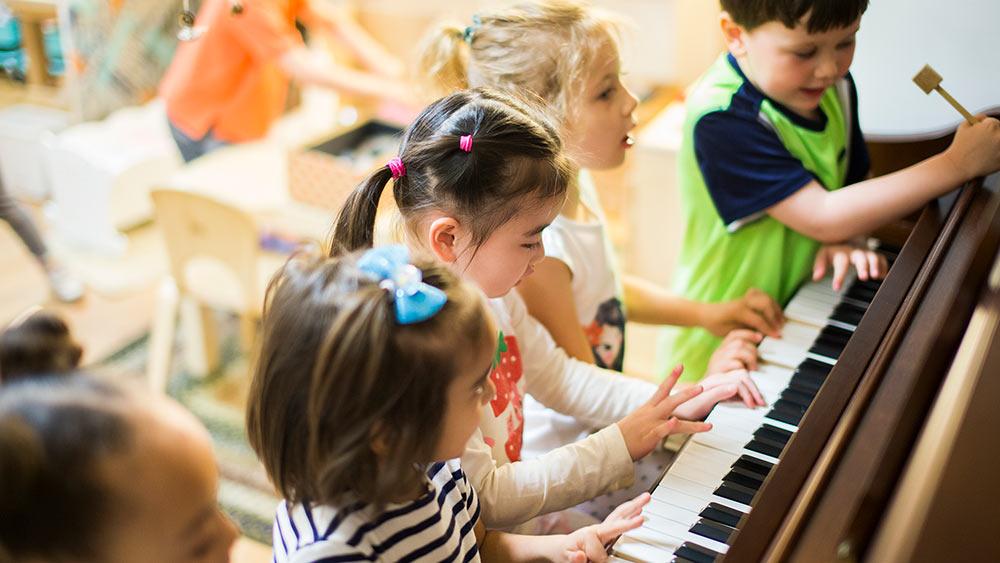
[(470, 30), (465, 143), (397, 167)]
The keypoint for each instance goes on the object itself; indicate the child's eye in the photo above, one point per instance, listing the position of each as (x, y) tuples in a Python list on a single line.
[(606, 94), (846, 44), (531, 245), (805, 54)]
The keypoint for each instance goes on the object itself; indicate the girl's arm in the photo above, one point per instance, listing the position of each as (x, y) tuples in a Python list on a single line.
[(548, 294), (585, 544), (849, 212), (340, 23), (513, 493), (646, 302)]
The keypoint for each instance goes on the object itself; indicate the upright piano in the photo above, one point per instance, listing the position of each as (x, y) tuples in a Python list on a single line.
[(880, 439)]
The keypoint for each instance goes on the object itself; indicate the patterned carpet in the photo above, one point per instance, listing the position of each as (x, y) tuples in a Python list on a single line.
[(218, 400)]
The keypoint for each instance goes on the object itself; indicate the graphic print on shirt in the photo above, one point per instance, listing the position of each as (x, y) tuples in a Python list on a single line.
[(606, 334), (507, 371)]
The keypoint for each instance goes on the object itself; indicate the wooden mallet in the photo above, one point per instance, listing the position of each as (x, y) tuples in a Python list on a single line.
[(928, 79)]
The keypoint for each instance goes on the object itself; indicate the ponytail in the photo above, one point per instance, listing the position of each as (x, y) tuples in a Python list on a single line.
[(354, 228), (444, 59)]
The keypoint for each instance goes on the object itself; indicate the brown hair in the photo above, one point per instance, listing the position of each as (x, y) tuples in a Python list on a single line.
[(335, 370), (544, 47), (54, 432), (41, 344), (516, 159), (823, 15)]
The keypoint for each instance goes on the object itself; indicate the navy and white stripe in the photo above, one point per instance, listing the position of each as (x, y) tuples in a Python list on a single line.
[(438, 526)]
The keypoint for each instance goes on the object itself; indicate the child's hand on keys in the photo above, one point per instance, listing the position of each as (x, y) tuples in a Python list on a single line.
[(590, 543), (737, 351), (648, 425), (975, 151), (868, 263), (756, 310), (746, 388)]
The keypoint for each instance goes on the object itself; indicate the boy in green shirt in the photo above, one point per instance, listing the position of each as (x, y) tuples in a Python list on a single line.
[(771, 139)]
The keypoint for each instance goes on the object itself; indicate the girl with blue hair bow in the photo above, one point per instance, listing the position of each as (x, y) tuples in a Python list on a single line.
[(372, 376)]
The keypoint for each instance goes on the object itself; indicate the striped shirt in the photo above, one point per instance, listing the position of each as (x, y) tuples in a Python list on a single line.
[(438, 526)]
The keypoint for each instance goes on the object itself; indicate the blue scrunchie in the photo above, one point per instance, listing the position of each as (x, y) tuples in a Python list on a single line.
[(414, 300)]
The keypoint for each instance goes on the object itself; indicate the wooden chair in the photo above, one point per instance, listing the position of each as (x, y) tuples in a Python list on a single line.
[(215, 264)]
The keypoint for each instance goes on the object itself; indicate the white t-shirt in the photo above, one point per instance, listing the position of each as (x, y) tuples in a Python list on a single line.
[(438, 526), (586, 249), (513, 490)]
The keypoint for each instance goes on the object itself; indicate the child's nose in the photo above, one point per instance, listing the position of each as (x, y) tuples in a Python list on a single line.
[(827, 67)]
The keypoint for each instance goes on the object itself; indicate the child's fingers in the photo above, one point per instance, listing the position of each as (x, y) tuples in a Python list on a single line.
[(819, 264), (630, 508), (673, 401), (746, 334), (840, 267), (768, 308), (608, 531), (860, 262), (593, 546), (754, 390), (691, 427), (663, 391)]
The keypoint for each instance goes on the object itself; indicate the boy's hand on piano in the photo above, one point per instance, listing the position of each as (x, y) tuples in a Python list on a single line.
[(868, 263), (746, 388), (648, 425), (756, 310), (737, 351), (590, 543), (975, 151)]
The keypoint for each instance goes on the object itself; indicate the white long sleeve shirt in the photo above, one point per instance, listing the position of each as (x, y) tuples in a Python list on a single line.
[(513, 491)]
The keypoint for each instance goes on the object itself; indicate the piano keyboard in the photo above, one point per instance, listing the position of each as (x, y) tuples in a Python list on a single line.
[(711, 484)]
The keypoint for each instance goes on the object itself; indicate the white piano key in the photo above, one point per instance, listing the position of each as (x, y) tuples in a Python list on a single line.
[(635, 550), (808, 311), (677, 530), (671, 485), (790, 349)]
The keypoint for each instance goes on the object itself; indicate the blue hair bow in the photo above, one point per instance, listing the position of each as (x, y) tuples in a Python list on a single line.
[(414, 300)]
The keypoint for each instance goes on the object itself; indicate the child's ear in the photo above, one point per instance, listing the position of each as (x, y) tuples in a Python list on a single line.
[(732, 33), (442, 238)]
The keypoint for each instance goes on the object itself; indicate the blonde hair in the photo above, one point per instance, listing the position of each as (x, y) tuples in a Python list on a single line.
[(545, 47)]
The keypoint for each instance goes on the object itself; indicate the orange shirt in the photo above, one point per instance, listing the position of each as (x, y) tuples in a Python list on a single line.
[(228, 80)]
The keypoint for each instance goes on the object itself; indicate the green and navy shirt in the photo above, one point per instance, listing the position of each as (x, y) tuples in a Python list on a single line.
[(742, 153)]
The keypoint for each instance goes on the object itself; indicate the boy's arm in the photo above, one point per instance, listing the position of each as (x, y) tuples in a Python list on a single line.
[(860, 208), (548, 294)]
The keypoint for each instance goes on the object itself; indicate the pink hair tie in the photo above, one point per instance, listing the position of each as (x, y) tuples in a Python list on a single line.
[(465, 143), (396, 167)]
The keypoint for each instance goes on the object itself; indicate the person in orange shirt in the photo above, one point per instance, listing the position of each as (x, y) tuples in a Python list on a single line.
[(229, 84)]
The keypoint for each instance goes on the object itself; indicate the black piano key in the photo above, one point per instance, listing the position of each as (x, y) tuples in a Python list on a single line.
[(831, 342), (722, 514), (814, 368), (784, 405), (764, 448), (847, 313), (733, 491), (713, 530), (697, 553), (758, 466), (775, 439), (797, 396), (742, 477), (682, 560), (773, 433), (805, 384), (783, 415), (860, 292)]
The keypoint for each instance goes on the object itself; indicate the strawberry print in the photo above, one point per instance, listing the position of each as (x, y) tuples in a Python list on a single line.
[(507, 372)]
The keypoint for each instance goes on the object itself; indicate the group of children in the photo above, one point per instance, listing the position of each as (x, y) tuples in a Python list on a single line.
[(458, 396)]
